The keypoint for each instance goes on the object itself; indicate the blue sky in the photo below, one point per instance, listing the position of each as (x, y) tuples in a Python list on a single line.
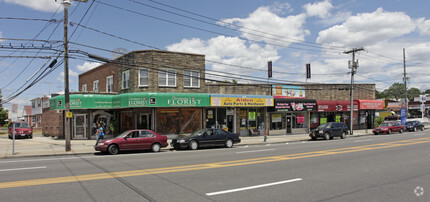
[(238, 38)]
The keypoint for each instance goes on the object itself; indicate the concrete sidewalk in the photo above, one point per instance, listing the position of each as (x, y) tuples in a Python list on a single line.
[(47, 146)]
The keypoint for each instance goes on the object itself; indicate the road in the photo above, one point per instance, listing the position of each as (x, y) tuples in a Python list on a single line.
[(371, 168)]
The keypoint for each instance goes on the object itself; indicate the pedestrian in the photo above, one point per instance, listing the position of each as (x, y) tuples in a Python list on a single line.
[(100, 134)]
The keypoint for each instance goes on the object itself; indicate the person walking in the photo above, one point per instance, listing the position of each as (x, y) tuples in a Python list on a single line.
[(100, 134)]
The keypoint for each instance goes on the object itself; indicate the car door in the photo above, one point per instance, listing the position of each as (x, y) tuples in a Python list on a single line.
[(397, 127), (146, 139), (220, 137), (207, 138), (336, 129), (132, 141)]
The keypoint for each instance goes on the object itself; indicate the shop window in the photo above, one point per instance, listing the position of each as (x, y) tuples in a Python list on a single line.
[(127, 121), (168, 121), (190, 120)]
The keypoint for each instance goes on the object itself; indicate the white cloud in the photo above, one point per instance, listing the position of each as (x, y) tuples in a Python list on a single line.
[(87, 66), (40, 5), (71, 74), (368, 29), (281, 8), (270, 25), (424, 27), (229, 50), (319, 9)]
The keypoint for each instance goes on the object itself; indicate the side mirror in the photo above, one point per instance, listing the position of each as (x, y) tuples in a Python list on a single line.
[(125, 137)]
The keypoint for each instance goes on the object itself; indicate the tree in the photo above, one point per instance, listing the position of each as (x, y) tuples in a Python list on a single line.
[(427, 91), (396, 91), (413, 92), (3, 114), (379, 95)]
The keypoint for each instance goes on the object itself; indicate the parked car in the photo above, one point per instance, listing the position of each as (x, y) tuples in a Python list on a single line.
[(206, 138), (22, 130), (133, 140), (414, 125), (388, 128), (329, 130)]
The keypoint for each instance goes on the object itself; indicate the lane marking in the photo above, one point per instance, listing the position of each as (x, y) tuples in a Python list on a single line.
[(29, 168), (418, 134), (253, 187), (255, 151), (222, 164), (363, 140)]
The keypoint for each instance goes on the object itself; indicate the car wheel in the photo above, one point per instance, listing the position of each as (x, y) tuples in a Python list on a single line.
[(375, 133), (193, 145), (422, 128), (415, 129), (155, 147), (389, 131), (313, 138), (229, 143), (401, 130), (326, 136), (343, 135), (113, 149)]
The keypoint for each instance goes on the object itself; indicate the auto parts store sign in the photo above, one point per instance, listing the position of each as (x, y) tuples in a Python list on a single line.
[(241, 102)]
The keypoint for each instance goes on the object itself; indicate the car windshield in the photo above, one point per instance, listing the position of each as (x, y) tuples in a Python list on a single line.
[(385, 124), (409, 123), (197, 133), (325, 125), (22, 125)]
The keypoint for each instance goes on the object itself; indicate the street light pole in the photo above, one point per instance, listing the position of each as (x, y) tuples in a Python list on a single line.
[(66, 4)]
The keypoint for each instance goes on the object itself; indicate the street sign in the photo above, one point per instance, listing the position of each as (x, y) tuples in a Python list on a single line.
[(69, 114), (423, 98)]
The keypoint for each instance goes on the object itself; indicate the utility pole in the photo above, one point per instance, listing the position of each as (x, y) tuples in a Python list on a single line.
[(353, 66), (405, 79), (67, 114)]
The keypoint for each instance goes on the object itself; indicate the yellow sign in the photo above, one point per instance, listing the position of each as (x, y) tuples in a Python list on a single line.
[(241, 102), (69, 114)]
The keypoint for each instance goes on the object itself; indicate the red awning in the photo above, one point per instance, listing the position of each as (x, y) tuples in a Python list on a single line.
[(335, 106), (371, 104), (326, 106)]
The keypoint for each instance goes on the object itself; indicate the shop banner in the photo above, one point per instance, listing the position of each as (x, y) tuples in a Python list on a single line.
[(241, 101), (371, 104), (295, 105), (286, 91), (276, 118)]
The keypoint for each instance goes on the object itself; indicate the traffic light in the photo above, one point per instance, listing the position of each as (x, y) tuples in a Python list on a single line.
[(308, 71), (269, 66)]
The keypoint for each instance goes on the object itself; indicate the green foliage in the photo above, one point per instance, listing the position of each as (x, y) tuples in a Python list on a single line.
[(427, 91), (396, 91), (379, 120), (3, 116), (114, 126), (379, 95), (413, 92)]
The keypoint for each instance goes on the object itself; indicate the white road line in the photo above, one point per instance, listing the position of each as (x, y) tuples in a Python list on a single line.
[(363, 140), (253, 187), (29, 168), (255, 151), (268, 144), (418, 134)]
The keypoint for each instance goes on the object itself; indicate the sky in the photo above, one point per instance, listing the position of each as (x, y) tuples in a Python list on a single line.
[(237, 37)]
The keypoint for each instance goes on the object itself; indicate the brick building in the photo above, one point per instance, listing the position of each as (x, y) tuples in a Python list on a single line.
[(167, 92)]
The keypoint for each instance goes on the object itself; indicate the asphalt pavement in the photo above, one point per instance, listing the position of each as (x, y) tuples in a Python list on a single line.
[(47, 146)]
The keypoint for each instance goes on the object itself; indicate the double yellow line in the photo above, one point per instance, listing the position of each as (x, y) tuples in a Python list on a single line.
[(122, 174)]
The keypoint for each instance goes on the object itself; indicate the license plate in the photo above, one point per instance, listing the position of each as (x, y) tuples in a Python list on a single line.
[(22, 134)]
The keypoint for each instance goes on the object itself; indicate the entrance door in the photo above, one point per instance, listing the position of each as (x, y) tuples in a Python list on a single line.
[(289, 120), (144, 121), (80, 124)]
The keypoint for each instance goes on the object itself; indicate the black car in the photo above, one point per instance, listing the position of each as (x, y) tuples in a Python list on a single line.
[(206, 138), (414, 125), (330, 130)]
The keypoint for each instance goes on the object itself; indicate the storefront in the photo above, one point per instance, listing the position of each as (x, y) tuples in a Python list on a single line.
[(243, 114), (165, 113), (334, 111), (367, 110), (288, 114)]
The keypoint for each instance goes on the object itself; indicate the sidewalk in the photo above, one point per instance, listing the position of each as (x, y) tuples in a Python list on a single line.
[(47, 146)]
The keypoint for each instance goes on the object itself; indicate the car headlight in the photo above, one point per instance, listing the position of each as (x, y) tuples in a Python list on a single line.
[(181, 141), (100, 144)]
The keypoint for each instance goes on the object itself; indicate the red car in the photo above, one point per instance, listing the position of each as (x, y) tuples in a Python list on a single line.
[(22, 130), (388, 128), (133, 140)]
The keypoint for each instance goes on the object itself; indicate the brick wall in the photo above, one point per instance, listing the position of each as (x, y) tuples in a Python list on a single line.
[(52, 123), (100, 73)]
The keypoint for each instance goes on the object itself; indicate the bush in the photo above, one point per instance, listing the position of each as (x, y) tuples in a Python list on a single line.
[(379, 120)]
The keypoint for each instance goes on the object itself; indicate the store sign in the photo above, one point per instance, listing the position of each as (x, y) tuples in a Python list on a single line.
[(137, 102), (300, 119), (183, 102), (276, 118), (241, 102), (251, 116), (295, 105), (371, 104), (286, 91)]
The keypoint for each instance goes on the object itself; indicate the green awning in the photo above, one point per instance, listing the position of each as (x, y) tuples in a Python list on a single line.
[(131, 100)]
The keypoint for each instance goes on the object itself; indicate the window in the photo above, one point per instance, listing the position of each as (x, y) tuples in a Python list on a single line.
[(109, 84), (167, 77), (96, 86), (191, 79), (143, 77), (38, 103), (33, 104), (126, 79), (84, 88)]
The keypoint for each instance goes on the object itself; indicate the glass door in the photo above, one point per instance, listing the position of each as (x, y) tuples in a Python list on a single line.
[(80, 129), (144, 121)]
